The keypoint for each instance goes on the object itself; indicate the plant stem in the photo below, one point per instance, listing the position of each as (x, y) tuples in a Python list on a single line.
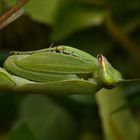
[(12, 14)]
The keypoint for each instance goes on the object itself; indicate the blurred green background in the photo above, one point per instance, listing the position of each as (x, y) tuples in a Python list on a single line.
[(111, 27)]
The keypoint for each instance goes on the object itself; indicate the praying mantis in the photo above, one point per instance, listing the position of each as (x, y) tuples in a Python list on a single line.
[(60, 70)]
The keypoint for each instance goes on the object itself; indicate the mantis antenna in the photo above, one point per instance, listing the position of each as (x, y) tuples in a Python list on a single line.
[(12, 14), (128, 80)]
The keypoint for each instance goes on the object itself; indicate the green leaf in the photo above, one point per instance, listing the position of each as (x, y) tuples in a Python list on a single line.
[(120, 125), (43, 11), (75, 18), (66, 17), (47, 120), (22, 132)]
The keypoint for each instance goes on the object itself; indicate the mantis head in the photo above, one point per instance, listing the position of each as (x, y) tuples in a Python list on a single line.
[(108, 76)]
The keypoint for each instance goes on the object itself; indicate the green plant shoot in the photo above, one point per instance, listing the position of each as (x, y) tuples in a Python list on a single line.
[(59, 70)]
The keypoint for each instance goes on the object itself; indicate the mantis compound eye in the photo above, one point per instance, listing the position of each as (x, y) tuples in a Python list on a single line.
[(101, 60), (100, 57)]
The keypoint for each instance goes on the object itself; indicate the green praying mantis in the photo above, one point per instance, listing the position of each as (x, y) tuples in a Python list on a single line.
[(60, 70)]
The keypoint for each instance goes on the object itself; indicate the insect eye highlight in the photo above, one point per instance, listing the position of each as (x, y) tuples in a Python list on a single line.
[(100, 58)]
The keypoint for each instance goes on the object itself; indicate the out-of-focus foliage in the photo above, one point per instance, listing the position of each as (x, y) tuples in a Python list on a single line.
[(116, 124), (111, 27), (45, 119)]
